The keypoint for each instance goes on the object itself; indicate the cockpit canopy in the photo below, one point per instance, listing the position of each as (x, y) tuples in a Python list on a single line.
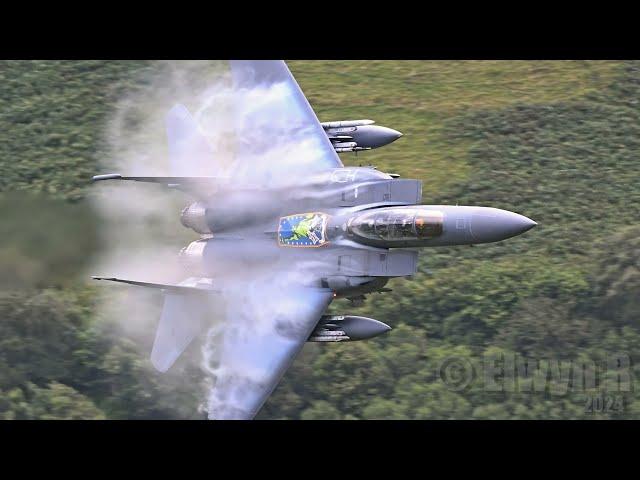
[(400, 224)]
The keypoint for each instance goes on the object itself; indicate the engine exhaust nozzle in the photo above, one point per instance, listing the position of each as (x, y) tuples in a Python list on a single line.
[(194, 216)]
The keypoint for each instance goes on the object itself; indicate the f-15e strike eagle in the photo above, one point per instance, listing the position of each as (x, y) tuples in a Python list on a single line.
[(286, 228)]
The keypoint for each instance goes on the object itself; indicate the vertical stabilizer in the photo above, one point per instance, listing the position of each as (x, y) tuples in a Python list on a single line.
[(183, 318), (190, 153)]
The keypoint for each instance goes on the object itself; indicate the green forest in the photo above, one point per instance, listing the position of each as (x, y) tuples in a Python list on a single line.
[(541, 326)]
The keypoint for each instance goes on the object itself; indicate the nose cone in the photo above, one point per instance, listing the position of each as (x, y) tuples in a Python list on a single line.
[(493, 225)]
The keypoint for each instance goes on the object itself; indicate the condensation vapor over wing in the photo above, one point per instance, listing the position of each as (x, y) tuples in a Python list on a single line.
[(265, 327), (279, 138), (190, 154)]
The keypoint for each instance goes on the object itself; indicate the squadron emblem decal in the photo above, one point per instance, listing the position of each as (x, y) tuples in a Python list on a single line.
[(303, 230)]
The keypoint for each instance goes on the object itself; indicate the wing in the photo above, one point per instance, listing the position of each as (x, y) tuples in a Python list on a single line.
[(278, 135), (263, 332)]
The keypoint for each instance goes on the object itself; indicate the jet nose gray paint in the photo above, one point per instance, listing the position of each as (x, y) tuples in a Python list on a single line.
[(493, 225), (375, 136), (433, 225)]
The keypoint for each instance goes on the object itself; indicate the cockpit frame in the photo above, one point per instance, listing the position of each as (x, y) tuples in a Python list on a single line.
[(397, 224)]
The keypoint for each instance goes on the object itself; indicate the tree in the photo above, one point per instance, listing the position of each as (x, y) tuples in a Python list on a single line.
[(54, 402)]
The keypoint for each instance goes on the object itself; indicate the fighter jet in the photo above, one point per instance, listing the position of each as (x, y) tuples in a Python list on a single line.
[(285, 228)]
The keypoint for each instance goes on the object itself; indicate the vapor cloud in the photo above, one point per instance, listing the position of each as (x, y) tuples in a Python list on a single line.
[(250, 321)]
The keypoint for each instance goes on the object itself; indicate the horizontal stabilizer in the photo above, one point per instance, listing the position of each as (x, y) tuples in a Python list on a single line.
[(202, 181), (198, 186), (190, 286), (164, 180)]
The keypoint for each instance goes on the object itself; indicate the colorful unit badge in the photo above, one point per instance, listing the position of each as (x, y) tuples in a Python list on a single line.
[(303, 230)]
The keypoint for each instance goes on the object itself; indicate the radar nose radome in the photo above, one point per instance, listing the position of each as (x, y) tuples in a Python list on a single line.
[(493, 225)]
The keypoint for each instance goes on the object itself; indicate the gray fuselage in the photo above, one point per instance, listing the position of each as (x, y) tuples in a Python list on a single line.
[(367, 229)]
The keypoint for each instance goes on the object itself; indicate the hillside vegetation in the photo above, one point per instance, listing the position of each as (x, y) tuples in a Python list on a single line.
[(556, 141)]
